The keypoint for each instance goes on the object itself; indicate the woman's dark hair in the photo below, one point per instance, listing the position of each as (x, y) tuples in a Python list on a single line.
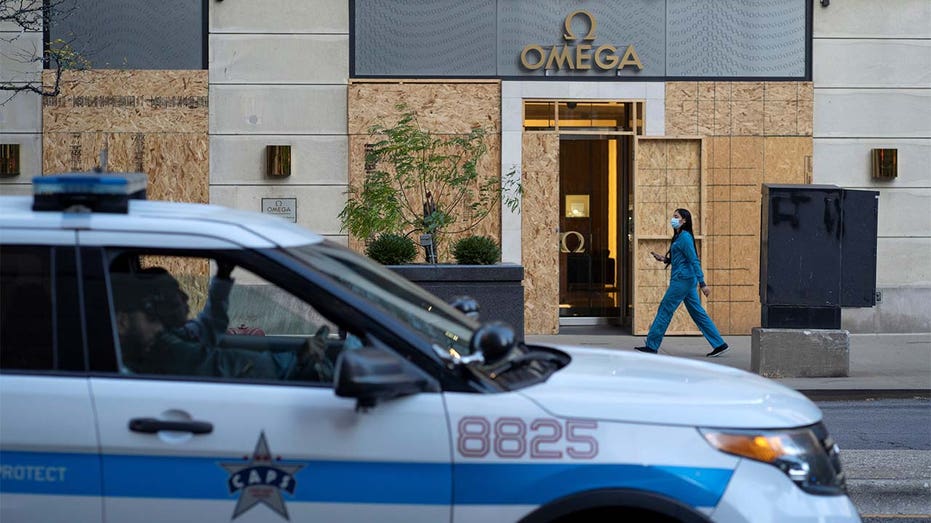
[(687, 226)]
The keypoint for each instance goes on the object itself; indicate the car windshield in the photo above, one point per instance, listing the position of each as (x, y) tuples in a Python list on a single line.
[(437, 321)]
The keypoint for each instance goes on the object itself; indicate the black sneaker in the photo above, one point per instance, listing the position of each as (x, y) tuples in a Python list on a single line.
[(646, 349), (718, 351)]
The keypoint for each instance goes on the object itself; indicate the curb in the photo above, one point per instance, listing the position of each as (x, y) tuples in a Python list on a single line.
[(864, 394)]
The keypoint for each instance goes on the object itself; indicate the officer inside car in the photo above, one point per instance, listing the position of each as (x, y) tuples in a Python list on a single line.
[(156, 336)]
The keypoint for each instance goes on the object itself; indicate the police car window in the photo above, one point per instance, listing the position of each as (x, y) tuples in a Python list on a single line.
[(26, 311), (185, 316), (426, 313)]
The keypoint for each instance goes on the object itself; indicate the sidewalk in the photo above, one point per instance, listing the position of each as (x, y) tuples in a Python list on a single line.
[(887, 363)]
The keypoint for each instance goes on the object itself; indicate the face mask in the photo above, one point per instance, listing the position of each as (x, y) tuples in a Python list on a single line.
[(675, 222)]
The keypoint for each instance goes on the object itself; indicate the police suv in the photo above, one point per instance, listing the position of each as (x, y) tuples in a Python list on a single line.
[(311, 384)]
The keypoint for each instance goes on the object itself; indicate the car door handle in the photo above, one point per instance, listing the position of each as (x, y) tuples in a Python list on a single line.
[(152, 425)]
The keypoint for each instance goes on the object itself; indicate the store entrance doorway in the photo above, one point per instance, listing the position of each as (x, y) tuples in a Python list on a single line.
[(594, 252), (596, 149)]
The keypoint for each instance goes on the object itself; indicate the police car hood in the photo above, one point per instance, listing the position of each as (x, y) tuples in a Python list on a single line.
[(644, 388)]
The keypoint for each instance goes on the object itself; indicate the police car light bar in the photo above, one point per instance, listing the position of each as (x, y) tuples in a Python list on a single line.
[(90, 192)]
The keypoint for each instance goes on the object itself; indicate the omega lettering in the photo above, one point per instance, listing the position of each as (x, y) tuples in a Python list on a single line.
[(579, 57)]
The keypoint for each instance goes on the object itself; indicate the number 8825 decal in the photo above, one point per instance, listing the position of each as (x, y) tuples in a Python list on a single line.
[(541, 438)]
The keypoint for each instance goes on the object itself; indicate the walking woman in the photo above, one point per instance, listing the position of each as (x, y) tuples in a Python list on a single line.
[(684, 282)]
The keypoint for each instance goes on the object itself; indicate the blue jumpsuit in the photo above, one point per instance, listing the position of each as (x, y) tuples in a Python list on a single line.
[(683, 282)]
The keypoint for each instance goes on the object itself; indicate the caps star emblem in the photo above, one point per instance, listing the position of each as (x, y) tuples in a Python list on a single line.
[(261, 480)]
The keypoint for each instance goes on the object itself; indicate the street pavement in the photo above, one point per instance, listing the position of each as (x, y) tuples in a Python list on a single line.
[(885, 485)]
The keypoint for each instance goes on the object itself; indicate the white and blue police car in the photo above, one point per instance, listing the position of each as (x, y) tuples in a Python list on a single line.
[(315, 385)]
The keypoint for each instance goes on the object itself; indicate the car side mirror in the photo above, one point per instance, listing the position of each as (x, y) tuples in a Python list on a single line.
[(370, 374), (493, 340)]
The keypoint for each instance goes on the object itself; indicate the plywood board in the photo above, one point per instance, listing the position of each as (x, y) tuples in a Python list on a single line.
[(747, 91), (719, 193), (720, 312), (745, 218), (679, 91), (539, 240), (706, 114), (806, 111), (651, 154), (747, 152), (747, 118), (785, 159), (780, 117), (723, 125), (720, 148), (110, 100), (451, 107), (806, 91), (744, 316), (177, 164), (723, 91), (749, 293), (718, 218), (681, 117), (147, 121), (780, 91), (719, 248), (683, 154), (745, 250), (746, 193)]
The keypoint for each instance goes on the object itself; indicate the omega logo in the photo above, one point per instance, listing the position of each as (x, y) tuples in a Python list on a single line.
[(581, 56)]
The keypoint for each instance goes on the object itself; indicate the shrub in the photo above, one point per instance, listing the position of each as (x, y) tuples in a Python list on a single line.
[(392, 249), (476, 250)]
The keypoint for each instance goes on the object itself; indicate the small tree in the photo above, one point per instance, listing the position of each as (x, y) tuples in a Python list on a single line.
[(56, 55), (419, 181)]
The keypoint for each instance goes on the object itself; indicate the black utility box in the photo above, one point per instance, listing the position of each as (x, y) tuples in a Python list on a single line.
[(800, 317), (817, 254)]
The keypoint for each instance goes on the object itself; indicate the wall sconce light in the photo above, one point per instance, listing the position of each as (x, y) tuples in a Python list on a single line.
[(576, 206), (885, 164), (9, 160), (278, 161)]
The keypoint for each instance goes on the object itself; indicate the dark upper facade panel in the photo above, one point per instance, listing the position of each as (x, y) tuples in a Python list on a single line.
[(115, 34), (593, 39)]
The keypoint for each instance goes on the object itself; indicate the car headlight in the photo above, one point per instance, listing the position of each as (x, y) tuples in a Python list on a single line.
[(807, 455)]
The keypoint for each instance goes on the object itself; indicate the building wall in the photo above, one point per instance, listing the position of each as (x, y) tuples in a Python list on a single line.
[(278, 74), (20, 114), (872, 79)]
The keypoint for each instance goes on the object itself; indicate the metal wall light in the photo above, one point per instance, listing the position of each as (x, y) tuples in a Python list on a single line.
[(9, 160), (278, 161), (885, 164)]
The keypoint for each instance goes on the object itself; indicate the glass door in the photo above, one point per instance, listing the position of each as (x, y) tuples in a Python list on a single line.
[(589, 283)]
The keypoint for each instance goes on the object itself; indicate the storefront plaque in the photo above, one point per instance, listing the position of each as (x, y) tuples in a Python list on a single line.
[(282, 207)]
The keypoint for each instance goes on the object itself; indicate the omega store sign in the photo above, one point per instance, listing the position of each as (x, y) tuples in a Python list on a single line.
[(578, 54), (591, 39)]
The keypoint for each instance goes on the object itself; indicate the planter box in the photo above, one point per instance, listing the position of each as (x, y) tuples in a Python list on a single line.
[(498, 289)]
